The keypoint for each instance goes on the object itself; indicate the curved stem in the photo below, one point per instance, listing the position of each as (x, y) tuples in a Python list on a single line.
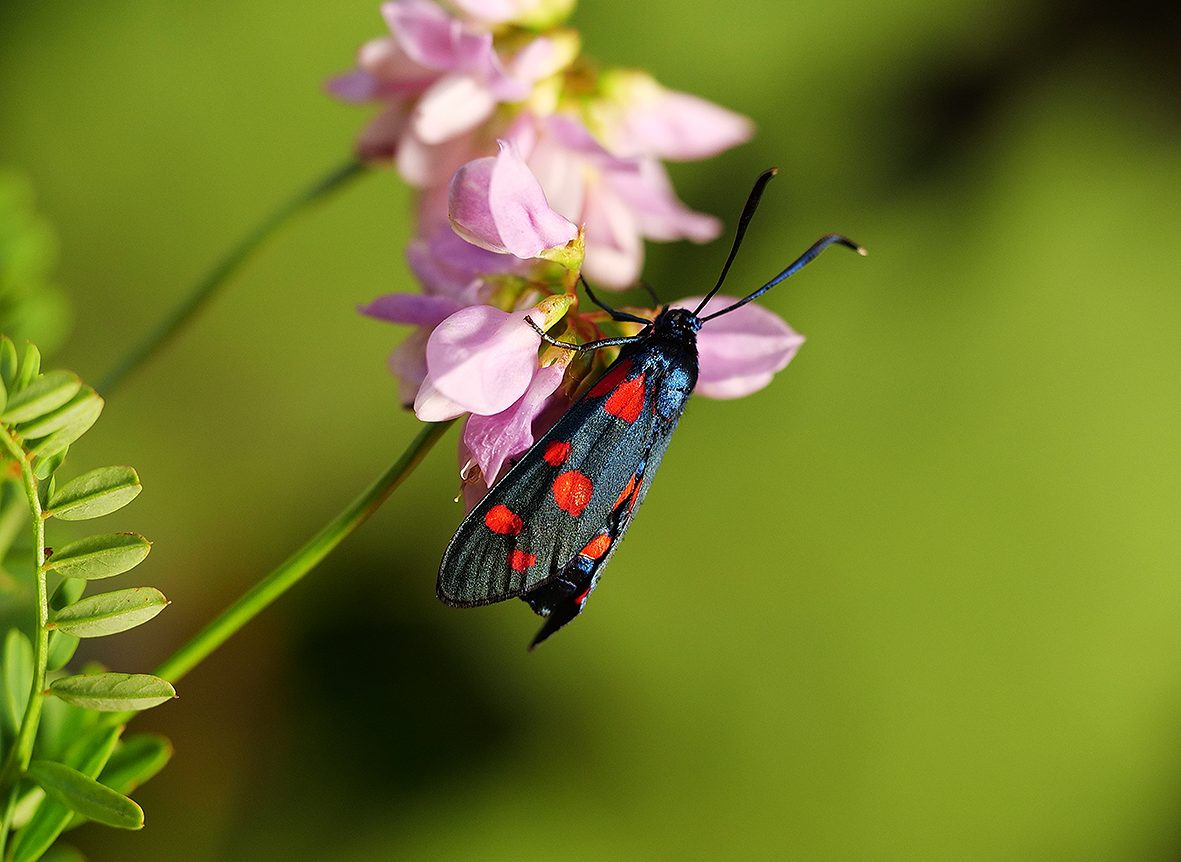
[(208, 286), (301, 562), (22, 747)]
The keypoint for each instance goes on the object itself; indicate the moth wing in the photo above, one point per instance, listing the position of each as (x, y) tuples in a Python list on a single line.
[(563, 598), (534, 521)]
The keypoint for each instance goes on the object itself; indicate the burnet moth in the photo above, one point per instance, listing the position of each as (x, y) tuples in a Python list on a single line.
[(545, 531)]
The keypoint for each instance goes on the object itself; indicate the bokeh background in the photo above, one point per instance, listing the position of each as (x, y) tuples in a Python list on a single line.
[(919, 599)]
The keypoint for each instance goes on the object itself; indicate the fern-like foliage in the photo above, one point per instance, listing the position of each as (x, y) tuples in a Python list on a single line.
[(64, 759)]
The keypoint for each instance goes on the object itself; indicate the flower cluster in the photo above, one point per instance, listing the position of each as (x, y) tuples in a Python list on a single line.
[(532, 165)]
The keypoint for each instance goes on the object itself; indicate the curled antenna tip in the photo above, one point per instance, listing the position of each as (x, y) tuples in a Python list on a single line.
[(773, 171), (848, 243)]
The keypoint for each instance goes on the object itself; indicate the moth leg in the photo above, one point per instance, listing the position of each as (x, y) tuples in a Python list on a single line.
[(590, 345)]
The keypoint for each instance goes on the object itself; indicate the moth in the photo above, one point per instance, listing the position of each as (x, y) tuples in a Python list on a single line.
[(545, 532)]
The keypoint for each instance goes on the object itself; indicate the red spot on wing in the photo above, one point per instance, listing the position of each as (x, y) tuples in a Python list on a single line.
[(627, 401), (572, 492), (519, 561), (611, 379), (582, 598), (503, 520), (627, 491), (597, 546), (556, 454)]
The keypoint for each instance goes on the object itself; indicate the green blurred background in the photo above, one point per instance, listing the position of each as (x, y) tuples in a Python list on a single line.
[(919, 599)]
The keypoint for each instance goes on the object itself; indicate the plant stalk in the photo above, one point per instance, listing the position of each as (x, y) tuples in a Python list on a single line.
[(22, 747), (301, 562), (208, 286)]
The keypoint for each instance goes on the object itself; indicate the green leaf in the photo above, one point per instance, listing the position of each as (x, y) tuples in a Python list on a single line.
[(94, 494), (99, 556), (113, 692), (61, 649), (82, 409), (86, 796), (61, 645), (18, 678), (43, 468), (58, 431), (61, 725), (135, 761), (3, 394), (88, 754), (43, 395), (8, 361), (67, 592), (109, 613), (30, 367)]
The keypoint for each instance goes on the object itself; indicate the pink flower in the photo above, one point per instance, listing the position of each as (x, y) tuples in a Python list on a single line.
[(481, 359), (448, 265), (492, 440), (738, 353), (408, 361), (497, 204), (640, 117), (618, 201), (440, 78)]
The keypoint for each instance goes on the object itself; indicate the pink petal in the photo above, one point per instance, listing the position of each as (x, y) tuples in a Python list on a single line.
[(428, 311), (432, 38), (539, 59), (681, 127), (394, 71), (560, 176), (431, 405), (483, 358), (468, 206), (523, 215), (383, 136), (740, 351), (614, 252), (408, 364), (451, 106), (448, 265), (659, 211), (734, 387), (572, 135), (497, 204), (492, 440), (425, 165), (357, 86)]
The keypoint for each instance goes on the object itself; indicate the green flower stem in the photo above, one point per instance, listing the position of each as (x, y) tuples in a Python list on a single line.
[(262, 594), (301, 562), (22, 747), (208, 286)]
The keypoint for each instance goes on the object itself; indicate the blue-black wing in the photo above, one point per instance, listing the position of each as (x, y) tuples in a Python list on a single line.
[(545, 531)]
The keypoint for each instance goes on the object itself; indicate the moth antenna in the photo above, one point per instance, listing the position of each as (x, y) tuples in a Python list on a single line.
[(748, 212), (798, 264)]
